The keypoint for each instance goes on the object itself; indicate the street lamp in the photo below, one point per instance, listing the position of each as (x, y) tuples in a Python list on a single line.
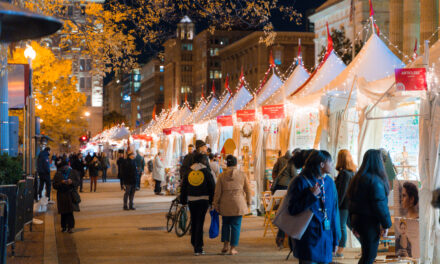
[(30, 54), (87, 113)]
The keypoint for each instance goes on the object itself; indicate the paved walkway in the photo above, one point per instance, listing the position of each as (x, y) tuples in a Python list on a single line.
[(107, 234)]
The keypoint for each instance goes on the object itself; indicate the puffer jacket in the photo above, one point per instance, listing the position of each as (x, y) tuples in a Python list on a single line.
[(232, 193), (198, 184)]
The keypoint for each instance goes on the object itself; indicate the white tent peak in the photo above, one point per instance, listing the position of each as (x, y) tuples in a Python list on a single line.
[(185, 19), (295, 80), (270, 87), (325, 73)]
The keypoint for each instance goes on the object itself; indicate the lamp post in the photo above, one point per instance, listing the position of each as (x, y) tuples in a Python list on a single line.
[(29, 54)]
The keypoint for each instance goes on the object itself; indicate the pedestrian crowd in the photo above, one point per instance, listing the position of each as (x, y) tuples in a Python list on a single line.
[(357, 198)]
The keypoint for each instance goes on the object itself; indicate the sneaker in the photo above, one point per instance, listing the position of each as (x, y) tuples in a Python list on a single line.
[(339, 255), (203, 252), (197, 254), (70, 230), (126, 208), (132, 208), (64, 230)]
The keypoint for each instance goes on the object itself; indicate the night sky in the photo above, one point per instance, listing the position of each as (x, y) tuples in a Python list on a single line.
[(280, 22)]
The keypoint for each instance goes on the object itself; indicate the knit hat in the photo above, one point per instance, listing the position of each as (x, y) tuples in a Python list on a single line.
[(200, 143)]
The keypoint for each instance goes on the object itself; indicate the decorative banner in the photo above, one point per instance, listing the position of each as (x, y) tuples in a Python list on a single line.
[(246, 115), (143, 137), (273, 111), (411, 79), (187, 129), (167, 131), (175, 129), (225, 120)]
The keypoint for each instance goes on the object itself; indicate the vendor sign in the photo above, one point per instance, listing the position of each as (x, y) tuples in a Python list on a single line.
[(411, 79), (167, 131), (273, 111), (246, 115), (225, 120), (143, 137), (187, 129)]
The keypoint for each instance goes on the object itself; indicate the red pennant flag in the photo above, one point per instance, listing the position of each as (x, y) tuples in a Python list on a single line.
[(271, 60), (415, 51), (213, 87), (352, 10), (241, 78), (377, 29), (329, 40), (154, 113), (186, 98), (169, 107), (299, 57), (227, 84), (371, 8)]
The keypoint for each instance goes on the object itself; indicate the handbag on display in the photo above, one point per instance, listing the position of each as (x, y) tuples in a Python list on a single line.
[(293, 225)]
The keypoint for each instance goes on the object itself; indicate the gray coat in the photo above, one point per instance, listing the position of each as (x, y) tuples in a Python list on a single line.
[(158, 169)]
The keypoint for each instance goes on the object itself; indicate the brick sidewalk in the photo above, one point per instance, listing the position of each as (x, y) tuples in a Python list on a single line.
[(31, 250)]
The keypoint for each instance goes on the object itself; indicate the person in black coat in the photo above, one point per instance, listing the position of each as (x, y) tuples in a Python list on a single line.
[(185, 168), (129, 181), (368, 204), (94, 168), (120, 162), (198, 191), (346, 169), (43, 169), (78, 163), (66, 182)]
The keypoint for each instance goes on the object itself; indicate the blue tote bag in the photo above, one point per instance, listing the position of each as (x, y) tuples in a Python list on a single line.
[(215, 224)]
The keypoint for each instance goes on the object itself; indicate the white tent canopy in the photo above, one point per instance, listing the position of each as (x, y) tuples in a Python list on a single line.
[(237, 102), (331, 67), (269, 88), (295, 80), (224, 99), (213, 102)]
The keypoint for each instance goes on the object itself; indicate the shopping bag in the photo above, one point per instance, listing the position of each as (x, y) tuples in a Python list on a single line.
[(293, 225), (215, 224)]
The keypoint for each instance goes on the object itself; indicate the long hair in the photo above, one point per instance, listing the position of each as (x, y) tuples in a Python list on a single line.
[(313, 162), (372, 166), (345, 161)]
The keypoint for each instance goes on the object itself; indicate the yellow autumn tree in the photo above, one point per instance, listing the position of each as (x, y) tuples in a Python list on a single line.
[(115, 30), (59, 104)]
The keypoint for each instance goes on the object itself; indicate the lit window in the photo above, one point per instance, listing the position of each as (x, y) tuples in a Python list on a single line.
[(161, 88), (277, 57), (161, 68), (139, 116)]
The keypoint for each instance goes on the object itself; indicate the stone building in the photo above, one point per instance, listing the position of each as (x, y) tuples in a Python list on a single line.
[(253, 56), (337, 14), (112, 97), (207, 69), (152, 89), (178, 63), (401, 21)]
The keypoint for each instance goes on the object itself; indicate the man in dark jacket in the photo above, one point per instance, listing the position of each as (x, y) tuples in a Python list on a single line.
[(198, 190), (283, 171), (129, 181), (140, 164), (120, 162), (78, 164), (43, 169), (201, 148)]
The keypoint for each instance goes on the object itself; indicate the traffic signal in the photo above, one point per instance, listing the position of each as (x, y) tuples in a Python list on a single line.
[(83, 139)]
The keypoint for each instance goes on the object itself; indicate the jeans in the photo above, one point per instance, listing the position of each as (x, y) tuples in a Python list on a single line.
[(198, 211), (231, 226), (157, 188), (369, 232), (67, 220), (93, 181), (44, 180), (104, 175), (129, 195), (343, 214)]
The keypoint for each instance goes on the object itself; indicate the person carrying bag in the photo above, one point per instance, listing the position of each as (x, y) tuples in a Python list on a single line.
[(312, 200)]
